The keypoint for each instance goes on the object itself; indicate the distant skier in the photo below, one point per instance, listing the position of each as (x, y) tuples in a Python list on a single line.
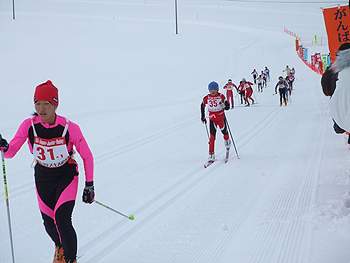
[(282, 86), (288, 91), (292, 72), (241, 92), (287, 70), (260, 83), (217, 103), (290, 79), (263, 75), (229, 92), (246, 86), (267, 73), (255, 75)]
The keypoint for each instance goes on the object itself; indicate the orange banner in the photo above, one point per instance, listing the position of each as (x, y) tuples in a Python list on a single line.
[(337, 21)]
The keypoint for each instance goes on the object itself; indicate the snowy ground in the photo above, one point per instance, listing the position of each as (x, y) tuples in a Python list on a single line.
[(135, 87)]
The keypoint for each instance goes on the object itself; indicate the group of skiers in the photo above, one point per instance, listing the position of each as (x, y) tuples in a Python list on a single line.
[(217, 103), (285, 85), (262, 78), (244, 89)]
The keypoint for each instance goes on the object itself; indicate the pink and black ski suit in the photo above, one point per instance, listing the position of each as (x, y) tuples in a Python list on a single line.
[(56, 173)]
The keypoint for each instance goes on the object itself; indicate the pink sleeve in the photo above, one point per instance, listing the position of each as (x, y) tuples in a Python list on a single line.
[(77, 138), (20, 137)]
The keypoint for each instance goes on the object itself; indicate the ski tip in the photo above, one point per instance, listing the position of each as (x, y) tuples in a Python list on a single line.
[(208, 164), (131, 217)]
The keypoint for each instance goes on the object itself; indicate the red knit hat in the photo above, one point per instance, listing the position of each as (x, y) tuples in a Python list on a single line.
[(46, 91)]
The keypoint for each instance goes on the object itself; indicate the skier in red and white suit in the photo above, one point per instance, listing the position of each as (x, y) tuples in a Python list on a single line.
[(229, 92), (247, 87), (217, 103)]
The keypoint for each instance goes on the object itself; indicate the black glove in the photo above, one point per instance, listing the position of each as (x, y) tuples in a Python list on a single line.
[(3, 145), (337, 129), (227, 105), (89, 193), (204, 120)]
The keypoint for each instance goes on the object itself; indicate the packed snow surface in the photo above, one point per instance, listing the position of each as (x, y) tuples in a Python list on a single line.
[(135, 86)]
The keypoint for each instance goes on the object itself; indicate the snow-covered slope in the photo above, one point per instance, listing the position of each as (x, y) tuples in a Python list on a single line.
[(135, 87)]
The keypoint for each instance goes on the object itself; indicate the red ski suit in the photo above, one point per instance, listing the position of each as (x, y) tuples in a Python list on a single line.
[(216, 105), (247, 87), (229, 92)]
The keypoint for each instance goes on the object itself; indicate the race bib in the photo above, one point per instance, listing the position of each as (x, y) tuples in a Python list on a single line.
[(229, 87), (50, 153), (214, 104)]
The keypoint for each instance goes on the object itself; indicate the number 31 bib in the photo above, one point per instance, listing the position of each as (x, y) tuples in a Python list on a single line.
[(50, 153)]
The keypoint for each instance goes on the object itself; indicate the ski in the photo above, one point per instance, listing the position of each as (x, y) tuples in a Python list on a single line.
[(246, 105), (208, 163), (227, 155)]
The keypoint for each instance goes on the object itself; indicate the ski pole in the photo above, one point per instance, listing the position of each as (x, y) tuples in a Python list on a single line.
[(255, 99), (7, 202), (131, 217), (290, 98), (206, 127), (233, 141)]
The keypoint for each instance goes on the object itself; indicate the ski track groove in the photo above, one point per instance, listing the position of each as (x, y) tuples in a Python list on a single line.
[(290, 247), (239, 221), (144, 140), (162, 201), (167, 197), (279, 213), (243, 140), (285, 199), (259, 127)]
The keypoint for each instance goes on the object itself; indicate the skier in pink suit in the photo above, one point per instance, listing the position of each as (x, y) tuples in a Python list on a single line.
[(51, 138)]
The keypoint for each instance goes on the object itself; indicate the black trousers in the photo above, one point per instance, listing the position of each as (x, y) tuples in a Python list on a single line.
[(56, 190), (282, 93)]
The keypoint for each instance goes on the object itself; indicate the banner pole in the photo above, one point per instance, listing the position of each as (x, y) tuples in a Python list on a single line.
[(176, 23), (13, 9)]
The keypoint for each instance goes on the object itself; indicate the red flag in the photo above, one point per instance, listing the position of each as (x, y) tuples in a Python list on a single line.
[(337, 21)]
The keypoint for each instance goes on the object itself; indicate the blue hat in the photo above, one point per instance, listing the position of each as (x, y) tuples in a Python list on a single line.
[(213, 85)]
